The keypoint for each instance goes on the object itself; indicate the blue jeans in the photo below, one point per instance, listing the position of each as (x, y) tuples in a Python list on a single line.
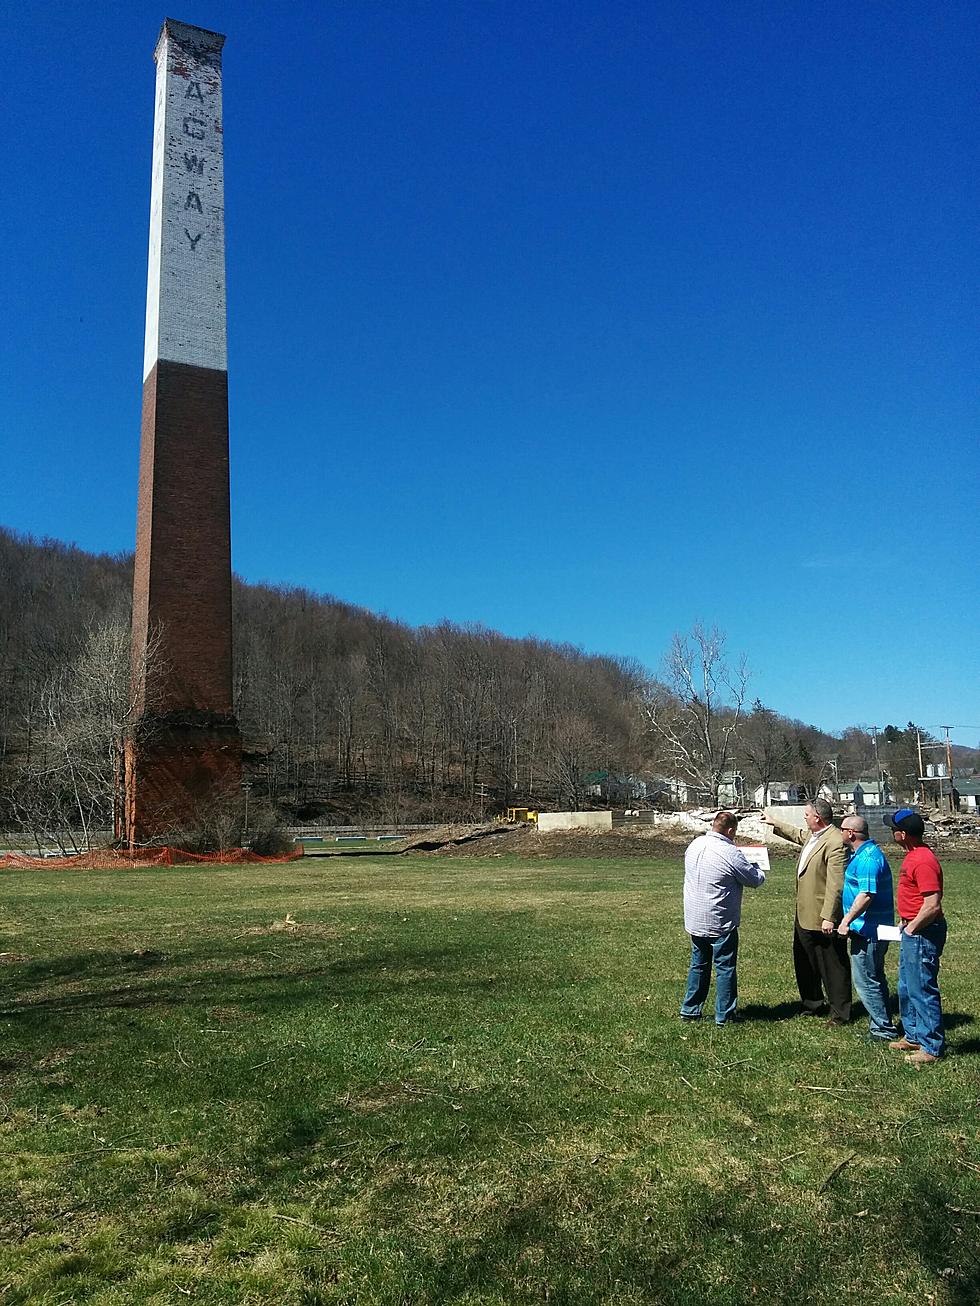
[(868, 974), (918, 987), (723, 952)]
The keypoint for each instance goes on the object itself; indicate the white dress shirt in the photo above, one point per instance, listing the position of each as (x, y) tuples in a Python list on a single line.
[(714, 872)]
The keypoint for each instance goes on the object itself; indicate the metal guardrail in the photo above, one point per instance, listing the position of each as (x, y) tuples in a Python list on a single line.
[(378, 831)]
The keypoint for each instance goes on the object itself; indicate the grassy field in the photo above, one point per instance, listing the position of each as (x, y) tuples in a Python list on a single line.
[(419, 1081)]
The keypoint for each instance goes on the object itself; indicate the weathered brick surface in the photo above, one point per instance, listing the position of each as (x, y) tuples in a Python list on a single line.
[(191, 754), (182, 583), (177, 778)]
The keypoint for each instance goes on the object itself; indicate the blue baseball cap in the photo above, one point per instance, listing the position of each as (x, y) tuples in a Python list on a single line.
[(907, 820)]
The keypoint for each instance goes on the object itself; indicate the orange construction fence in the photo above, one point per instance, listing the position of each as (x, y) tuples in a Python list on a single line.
[(107, 859)]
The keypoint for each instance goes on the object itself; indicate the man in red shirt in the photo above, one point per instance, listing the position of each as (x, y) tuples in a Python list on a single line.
[(920, 898)]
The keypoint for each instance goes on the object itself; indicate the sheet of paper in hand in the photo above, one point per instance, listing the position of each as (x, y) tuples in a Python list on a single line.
[(757, 853)]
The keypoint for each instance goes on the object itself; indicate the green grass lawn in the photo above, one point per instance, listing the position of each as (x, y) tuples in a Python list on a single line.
[(458, 1081)]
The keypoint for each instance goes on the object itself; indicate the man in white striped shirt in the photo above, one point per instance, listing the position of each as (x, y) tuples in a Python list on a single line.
[(715, 872)]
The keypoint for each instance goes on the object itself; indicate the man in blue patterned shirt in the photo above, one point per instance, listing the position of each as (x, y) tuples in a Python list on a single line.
[(867, 903), (715, 871)]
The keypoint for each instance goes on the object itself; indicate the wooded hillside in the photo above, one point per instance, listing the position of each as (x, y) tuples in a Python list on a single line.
[(350, 715)]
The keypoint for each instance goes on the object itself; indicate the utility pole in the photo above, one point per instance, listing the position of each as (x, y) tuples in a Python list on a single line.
[(874, 740), (938, 777), (949, 766)]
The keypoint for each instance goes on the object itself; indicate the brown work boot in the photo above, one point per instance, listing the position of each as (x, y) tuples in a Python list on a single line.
[(903, 1045), (920, 1059)]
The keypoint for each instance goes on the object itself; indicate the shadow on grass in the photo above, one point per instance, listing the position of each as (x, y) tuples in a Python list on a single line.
[(943, 1239), (706, 1248), (439, 970), (954, 1019), (791, 1011), (778, 1011), (86, 965)]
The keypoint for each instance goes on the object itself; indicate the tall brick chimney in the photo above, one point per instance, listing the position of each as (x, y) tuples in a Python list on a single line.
[(185, 756)]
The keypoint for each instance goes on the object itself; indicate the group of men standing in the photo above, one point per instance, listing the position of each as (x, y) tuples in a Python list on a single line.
[(843, 903)]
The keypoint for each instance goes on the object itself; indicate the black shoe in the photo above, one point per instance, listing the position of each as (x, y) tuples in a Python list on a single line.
[(836, 1020), (689, 1020), (809, 1011)]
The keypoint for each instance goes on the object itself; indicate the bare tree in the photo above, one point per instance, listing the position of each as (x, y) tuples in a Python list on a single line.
[(209, 824), (576, 748), (806, 747), (856, 753), (763, 739), (693, 714), (67, 786)]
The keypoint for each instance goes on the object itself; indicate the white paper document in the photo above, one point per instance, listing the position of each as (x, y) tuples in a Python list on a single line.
[(757, 853), (889, 933)]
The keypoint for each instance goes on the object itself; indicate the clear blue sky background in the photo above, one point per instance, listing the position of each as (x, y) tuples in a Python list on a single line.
[(578, 320)]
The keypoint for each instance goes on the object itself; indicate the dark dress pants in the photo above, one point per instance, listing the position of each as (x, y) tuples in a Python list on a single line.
[(822, 967)]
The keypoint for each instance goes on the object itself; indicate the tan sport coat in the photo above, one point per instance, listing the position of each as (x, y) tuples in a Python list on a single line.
[(818, 889)]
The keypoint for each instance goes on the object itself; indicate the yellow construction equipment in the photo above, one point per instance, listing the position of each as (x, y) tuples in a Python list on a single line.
[(517, 814)]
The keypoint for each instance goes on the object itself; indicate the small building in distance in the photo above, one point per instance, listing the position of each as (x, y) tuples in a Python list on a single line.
[(867, 791), (682, 792), (731, 789), (782, 793), (616, 789), (967, 794)]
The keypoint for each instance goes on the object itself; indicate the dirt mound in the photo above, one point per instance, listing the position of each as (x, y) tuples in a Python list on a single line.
[(527, 841), (452, 836)]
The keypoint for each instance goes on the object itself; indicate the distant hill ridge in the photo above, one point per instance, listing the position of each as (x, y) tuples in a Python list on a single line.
[(341, 706)]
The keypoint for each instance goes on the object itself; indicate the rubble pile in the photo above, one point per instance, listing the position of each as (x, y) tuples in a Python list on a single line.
[(955, 837), (954, 833), (677, 825)]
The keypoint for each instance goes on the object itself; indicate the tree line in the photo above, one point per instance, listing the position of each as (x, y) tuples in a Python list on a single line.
[(347, 715)]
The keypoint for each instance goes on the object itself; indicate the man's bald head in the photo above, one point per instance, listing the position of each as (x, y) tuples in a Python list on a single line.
[(858, 824), (725, 823)]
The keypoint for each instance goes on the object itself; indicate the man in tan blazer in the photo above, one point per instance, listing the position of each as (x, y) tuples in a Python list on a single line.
[(819, 953)]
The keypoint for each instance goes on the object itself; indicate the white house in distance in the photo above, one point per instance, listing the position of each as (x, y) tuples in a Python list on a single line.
[(687, 793), (868, 791), (782, 793), (680, 792)]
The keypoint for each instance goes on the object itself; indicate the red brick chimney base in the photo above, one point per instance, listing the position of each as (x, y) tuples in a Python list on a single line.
[(183, 781)]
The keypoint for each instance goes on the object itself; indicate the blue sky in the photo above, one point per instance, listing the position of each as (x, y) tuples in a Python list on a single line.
[(583, 321)]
